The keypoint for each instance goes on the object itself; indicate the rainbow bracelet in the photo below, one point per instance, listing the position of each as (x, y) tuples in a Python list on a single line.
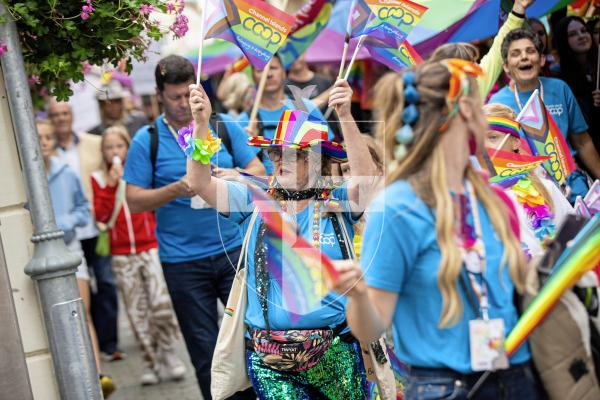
[(197, 149)]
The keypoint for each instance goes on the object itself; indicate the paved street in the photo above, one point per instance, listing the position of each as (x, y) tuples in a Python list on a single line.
[(126, 373)]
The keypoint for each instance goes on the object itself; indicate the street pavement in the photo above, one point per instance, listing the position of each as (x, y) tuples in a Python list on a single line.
[(126, 373)]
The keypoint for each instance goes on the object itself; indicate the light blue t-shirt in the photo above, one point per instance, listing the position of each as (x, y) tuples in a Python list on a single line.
[(333, 311), (270, 119), (185, 233), (400, 254), (558, 99)]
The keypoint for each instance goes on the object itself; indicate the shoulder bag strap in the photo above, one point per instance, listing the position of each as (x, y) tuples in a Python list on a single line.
[(119, 200), (244, 252), (341, 225)]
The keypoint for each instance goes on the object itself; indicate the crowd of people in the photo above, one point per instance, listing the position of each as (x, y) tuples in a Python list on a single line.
[(430, 255)]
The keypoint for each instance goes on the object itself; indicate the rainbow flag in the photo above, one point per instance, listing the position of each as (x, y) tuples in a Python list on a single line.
[(391, 21), (257, 28), (545, 139), (582, 256), (509, 166), (310, 21), (396, 59), (303, 273)]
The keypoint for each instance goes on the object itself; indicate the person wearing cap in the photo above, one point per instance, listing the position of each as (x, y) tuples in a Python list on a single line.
[(330, 366), (112, 109)]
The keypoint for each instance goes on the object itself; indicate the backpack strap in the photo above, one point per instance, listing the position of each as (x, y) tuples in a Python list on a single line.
[(153, 132), (221, 130)]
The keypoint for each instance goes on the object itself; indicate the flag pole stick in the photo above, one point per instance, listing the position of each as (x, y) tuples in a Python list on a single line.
[(598, 70), (344, 54), (199, 70), (360, 41), (500, 146), (261, 88)]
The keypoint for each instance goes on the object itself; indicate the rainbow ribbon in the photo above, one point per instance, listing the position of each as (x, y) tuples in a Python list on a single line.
[(580, 258)]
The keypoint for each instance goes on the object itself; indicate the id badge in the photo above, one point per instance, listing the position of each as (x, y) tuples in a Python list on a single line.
[(486, 339), (198, 203)]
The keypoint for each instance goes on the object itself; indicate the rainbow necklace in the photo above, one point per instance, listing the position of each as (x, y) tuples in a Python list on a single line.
[(540, 219)]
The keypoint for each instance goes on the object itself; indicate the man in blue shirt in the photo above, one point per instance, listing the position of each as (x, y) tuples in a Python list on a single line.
[(521, 52), (274, 102), (198, 249)]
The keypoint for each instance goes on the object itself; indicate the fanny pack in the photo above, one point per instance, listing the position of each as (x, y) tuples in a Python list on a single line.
[(293, 350)]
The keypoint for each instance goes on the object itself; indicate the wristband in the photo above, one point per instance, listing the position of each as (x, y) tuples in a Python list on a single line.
[(516, 14), (195, 148)]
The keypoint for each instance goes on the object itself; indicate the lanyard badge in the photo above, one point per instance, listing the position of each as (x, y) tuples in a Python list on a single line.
[(486, 336)]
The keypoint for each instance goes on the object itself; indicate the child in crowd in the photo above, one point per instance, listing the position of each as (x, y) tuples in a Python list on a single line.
[(136, 264), (71, 210)]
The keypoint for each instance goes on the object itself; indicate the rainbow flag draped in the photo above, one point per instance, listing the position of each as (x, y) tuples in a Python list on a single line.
[(311, 19), (389, 21), (304, 274), (545, 139), (581, 257), (257, 28), (509, 166), (396, 59)]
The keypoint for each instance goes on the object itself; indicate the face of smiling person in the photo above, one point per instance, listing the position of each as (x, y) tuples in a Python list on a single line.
[(580, 40), (523, 62), (291, 167)]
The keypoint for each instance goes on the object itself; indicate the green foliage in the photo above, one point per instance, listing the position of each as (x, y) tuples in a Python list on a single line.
[(59, 37)]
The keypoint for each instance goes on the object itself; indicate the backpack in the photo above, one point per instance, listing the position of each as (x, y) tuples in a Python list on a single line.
[(215, 121)]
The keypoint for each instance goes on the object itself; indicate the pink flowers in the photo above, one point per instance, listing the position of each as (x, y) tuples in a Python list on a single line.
[(33, 80), (3, 48), (86, 10), (146, 9), (180, 26)]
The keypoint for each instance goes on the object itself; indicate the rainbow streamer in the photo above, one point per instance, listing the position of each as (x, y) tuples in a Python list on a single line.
[(310, 21), (303, 272), (580, 258), (257, 28), (545, 138)]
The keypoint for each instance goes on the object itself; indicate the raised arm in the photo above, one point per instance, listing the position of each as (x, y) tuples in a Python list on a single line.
[(212, 189), (140, 199), (362, 167)]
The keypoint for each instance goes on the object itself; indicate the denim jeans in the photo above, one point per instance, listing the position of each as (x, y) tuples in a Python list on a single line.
[(515, 383), (105, 304), (194, 287)]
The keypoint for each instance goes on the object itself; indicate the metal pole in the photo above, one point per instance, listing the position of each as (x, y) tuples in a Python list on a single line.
[(52, 266)]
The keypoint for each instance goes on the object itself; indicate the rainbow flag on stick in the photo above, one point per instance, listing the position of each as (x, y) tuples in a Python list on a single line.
[(509, 166), (545, 139), (581, 257), (310, 21), (396, 59), (256, 27), (303, 273)]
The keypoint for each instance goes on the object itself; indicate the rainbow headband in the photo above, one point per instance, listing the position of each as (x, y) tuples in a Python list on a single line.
[(504, 125)]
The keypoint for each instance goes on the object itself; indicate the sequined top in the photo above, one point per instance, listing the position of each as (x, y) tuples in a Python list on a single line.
[(334, 307)]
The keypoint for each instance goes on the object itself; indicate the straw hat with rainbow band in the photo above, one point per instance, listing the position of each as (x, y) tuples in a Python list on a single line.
[(303, 131)]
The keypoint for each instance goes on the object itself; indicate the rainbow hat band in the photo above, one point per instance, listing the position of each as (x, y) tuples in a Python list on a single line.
[(504, 125), (300, 130)]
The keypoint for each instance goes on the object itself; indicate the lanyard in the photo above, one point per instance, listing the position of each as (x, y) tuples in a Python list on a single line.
[(171, 129), (518, 100), (474, 256)]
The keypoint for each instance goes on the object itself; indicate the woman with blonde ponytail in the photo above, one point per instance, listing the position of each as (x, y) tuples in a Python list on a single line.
[(441, 251)]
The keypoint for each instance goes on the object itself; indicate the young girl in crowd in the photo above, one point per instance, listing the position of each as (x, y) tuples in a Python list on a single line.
[(71, 210), (136, 264), (578, 56), (330, 365), (542, 202), (441, 252)]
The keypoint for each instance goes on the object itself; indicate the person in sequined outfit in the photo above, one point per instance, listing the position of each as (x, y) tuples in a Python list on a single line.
[(329, 366)]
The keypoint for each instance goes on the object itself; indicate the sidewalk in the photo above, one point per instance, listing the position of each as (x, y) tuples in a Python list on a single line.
[(126, 373)]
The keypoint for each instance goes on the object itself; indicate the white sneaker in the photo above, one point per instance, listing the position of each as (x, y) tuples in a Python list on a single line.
[(172, 366), (149, 377)]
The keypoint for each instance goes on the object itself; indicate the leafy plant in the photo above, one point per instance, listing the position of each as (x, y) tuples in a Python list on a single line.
[(61, 39)]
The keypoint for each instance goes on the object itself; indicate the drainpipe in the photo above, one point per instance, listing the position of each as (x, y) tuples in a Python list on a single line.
[(52, 266)]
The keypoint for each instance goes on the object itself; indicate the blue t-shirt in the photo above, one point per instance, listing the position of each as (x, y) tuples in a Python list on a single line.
[(333, 311), (270, 119), (405, 260), (185, 233), (558, 99)]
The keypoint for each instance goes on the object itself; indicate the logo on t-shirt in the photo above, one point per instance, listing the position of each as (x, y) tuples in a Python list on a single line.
[(327, 239), (555, 109)]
